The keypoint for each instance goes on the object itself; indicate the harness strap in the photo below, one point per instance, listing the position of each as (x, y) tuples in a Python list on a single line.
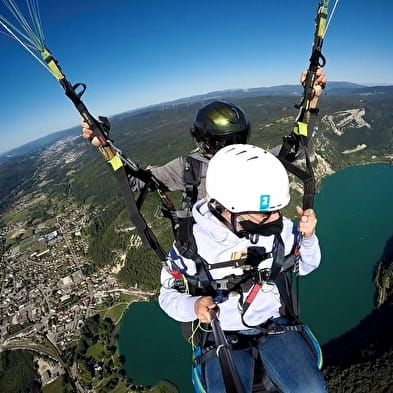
[(277, 276), (192, 179), (185, 241), (278, 257), (206, 354), (147, 236), (291, 306), (250, 298), (239, 262), (205, 279)]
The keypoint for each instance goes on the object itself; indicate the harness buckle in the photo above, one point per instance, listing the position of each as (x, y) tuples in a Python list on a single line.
[(232, 338), (263, 276), (274, 330), (179, 285), (222, 284)]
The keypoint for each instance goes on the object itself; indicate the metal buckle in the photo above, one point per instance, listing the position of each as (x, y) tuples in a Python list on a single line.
[(263, 276)]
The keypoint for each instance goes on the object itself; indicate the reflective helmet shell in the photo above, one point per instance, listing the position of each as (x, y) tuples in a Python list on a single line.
[(220, 124), (246, 178)]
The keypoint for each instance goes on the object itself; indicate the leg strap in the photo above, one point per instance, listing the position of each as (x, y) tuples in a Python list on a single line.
[(206, 354)]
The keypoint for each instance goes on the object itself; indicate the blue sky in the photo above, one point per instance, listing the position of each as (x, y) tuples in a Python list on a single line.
[(135, 53)]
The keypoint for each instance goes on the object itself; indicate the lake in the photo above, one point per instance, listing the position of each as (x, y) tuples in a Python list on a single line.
[(354, 225)]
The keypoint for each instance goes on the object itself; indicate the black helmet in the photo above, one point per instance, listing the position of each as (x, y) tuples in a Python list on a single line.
[(220, 124)]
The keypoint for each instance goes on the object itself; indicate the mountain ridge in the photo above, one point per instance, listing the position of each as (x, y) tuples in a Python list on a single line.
[(336, 88)]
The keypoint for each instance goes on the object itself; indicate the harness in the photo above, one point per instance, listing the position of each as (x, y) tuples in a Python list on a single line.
[(253, 278), (251, 281)]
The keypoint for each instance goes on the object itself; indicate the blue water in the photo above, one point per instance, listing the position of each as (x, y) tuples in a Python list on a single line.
[(355, 221), (154, 348)]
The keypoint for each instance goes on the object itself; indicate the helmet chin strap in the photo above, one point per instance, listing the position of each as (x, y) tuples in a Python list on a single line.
[(208, 149), (231, 225), (202, 148)]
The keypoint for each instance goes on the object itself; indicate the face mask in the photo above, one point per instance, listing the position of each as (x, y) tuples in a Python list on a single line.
[(266, 229)]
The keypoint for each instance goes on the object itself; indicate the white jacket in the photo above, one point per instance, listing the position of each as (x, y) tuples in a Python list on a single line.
[(216, 243)]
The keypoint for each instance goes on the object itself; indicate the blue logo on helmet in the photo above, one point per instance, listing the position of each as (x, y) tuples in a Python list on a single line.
[(264, 203)]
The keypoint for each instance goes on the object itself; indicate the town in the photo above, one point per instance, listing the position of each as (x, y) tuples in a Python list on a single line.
[(45, 295)]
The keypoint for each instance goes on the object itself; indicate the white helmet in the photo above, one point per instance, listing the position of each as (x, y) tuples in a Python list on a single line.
[(247, 178)]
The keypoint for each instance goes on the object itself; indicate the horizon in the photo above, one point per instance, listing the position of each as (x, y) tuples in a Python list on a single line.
[(5, 153), (132, 55)]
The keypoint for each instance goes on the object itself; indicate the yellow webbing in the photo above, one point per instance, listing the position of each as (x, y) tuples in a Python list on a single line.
[(116, 163), (301, 128), (53, 68)]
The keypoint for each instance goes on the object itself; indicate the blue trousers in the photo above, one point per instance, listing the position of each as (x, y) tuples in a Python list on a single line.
[(287, 359)]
